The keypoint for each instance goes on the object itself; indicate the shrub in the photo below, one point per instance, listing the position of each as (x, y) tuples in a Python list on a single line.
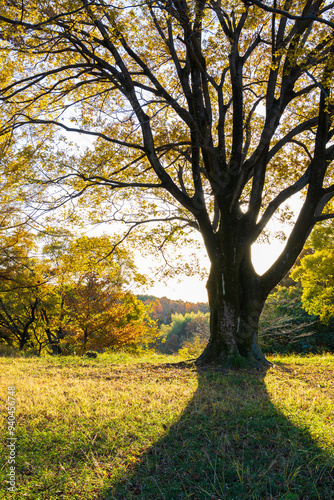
[(8, 351), (183, 331)]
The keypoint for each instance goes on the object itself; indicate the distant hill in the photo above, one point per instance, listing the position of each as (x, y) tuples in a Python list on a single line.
[(162, 308)]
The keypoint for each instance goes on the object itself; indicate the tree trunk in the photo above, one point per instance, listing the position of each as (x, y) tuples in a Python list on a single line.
[(24, 337), (53, 339), (53, 342), (23, 341), (85, 339), (235, 309)]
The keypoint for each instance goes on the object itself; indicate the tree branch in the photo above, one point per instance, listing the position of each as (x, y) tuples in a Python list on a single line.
[(302, 127), (319, 216), (79, 131), (287, 14)]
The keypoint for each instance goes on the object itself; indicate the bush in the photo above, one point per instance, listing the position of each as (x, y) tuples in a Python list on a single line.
[(184, 331), (8, 351), (90, 354), (193, 348), (30, 352)]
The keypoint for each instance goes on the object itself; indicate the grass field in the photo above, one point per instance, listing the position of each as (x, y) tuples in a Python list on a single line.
[(121, 428)]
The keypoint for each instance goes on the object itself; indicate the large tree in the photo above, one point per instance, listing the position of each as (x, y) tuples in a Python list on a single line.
[(210, 115)]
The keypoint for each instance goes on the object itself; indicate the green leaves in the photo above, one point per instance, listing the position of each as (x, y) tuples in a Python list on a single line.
[(316, 274)]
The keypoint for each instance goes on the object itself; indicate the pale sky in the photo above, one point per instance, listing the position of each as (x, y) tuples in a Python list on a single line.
[(192, 289)]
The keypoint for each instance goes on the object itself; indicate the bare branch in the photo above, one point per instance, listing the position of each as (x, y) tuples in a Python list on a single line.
[(30, 120), (302, 127), (279, 200)]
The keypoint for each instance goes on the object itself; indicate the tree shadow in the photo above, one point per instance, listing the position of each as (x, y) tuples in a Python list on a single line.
[(230, 442)]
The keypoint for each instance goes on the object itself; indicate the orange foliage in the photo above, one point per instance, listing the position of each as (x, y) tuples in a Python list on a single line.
[(99, 317)]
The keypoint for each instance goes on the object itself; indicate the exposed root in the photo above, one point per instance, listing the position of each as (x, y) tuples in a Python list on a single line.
[(233, 361)]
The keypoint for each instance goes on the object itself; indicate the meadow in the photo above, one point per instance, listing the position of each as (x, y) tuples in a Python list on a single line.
[(124, 428)]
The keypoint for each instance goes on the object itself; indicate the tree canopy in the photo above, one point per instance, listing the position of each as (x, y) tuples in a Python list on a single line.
[(316, 274), (211, 121)]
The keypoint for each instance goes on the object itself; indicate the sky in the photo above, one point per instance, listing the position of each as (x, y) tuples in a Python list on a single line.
[(192, 289)]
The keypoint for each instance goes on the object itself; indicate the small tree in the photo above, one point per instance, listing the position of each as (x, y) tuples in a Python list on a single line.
[(98, 316), (19, 281), (93, 310), (17, 315)]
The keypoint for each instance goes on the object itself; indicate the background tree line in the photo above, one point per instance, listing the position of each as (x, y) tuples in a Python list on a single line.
[(162, 308)]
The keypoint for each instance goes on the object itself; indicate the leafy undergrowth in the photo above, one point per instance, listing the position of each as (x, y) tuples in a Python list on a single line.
[(119, 428)]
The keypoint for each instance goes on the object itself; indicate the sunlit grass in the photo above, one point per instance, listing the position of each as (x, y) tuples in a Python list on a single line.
[(121, 427)]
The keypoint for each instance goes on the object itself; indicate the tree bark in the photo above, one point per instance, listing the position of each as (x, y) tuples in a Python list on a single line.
[(23, 340), (53, 342), (53, 339), (235, 309), (25, 335)]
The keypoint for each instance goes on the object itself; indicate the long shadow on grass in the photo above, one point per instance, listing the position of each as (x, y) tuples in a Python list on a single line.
[(230, 443)]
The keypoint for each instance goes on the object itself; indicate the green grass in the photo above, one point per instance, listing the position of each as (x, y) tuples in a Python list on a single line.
[(130, 428)]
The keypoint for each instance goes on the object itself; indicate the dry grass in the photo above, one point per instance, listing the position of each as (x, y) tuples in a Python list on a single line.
[(121, 429)]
